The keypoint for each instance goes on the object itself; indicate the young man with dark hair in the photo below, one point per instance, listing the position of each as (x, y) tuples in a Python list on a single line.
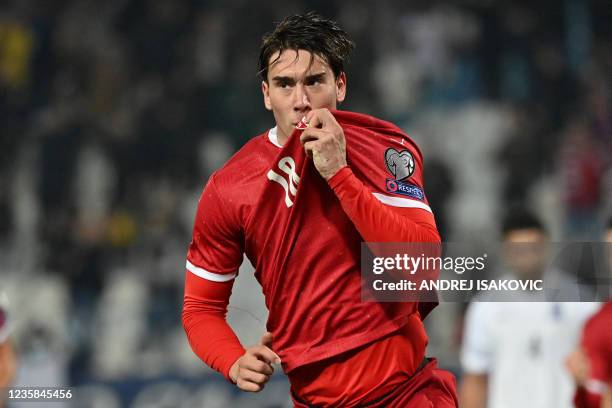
[(591, 363), (298, 200), (513, 351)]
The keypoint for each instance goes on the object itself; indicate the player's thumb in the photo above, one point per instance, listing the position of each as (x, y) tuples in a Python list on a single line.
[(266, 340)]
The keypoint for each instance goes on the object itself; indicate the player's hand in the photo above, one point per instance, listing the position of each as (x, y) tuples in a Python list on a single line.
[(578, 365), (253, 370), (324, 142)]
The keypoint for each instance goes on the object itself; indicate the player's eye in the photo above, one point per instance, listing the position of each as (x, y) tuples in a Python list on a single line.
[(283, 84), (313, 82)]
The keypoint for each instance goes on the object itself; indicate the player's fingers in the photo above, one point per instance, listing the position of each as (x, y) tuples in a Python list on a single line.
[(266, 354), (266, 339), (254, 376), (249, 386), (257, 365), (310, 147), (320, 118), (312, 134)]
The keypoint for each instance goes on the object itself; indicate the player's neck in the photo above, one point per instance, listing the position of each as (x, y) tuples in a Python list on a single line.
[(281, 137)]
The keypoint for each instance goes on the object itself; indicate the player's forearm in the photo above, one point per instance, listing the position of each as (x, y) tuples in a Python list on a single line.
[(7, 363), (375, 221), (212, 340), (210, 337)]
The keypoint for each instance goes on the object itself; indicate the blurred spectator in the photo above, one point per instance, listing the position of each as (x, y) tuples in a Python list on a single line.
[(523, 155), (581, 167), (513, 352)]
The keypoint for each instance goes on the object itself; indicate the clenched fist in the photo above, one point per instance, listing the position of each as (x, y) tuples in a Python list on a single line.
[(253, 370), (324, 142)]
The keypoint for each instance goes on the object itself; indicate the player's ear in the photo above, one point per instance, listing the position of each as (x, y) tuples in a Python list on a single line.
[(341, 87), (265, 89)]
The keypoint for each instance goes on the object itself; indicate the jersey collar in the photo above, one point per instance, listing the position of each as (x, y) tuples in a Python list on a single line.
[(273, 137)]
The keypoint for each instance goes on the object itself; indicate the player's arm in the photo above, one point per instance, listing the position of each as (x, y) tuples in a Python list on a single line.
[(579, 367), (378, 222), (324, 141), (473, 391), (215, 253), (214, 341), (204, 320), (589, 365)]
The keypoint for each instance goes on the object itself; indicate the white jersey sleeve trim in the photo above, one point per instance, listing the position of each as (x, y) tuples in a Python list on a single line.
[(401, 202), (203, 273), (597, 387)]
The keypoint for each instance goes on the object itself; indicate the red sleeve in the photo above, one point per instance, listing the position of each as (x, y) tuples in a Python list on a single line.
[(214, 255), (378, 222), (204, 311), (585, 399), (217, 241), (596, 344)]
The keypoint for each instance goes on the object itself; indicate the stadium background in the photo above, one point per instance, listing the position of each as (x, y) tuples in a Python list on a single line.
[(115, 113)]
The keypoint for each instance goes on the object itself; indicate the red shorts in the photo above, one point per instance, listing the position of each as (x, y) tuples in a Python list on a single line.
[(430, 387)]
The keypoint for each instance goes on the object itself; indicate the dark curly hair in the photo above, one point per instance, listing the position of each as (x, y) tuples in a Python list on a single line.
[(310, 32), (519, 217)]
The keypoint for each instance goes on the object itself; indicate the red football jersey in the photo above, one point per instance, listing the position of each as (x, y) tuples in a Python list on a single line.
[(269, 202), (597, 344)]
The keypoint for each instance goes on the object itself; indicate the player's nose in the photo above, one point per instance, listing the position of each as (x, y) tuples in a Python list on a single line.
[(301, 101)]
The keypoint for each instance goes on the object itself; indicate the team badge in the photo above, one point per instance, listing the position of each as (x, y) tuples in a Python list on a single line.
[(400, 164)]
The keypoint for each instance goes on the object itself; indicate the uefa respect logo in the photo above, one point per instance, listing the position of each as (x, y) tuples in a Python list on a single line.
[(405, 188)]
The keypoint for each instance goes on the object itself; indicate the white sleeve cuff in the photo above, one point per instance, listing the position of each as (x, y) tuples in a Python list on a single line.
[(401, 202), (211, 276)]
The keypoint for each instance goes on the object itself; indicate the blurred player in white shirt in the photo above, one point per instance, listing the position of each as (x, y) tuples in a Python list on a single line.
[(513, 353)]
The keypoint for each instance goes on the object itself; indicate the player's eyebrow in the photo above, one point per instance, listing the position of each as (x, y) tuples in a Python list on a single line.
[(290, 80), (284, 79), (315, 77)]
